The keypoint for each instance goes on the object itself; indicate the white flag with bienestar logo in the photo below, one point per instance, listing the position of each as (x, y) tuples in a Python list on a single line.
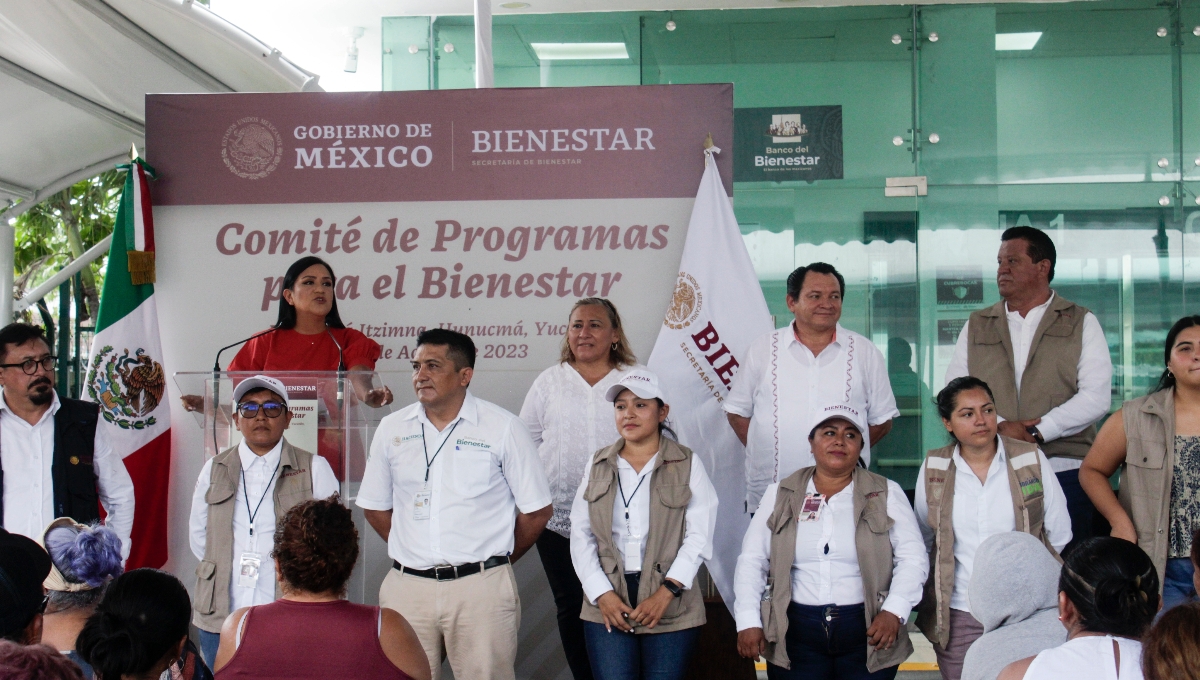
[(717, 311)]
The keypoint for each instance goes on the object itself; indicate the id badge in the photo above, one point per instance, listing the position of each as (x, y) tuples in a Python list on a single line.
[(421, 503), (811, 510), (633, 553), (248, 570)]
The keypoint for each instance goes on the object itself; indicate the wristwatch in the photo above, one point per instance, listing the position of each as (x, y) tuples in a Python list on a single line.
[(1037, 435), (675, 589)]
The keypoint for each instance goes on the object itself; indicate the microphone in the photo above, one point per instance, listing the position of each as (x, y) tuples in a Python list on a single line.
[(217, 361)]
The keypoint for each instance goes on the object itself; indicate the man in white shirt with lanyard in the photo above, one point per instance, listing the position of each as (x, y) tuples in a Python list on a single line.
[(790, 373), (235, 506), (1045, 359), (455, 486), (54, 460)]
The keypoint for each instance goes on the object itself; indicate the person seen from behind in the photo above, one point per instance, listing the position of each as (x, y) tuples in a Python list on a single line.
[(1171, 650), (35, 662), (139, 630), (84, 560), (1108, 596), (316, 546), (23, 567)]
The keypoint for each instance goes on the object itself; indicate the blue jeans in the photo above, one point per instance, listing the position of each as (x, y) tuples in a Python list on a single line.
[(827, 643), (1178, 587), (208, 646), (641, 656)]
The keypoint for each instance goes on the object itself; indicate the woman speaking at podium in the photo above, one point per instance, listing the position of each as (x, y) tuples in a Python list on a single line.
[(309, 335)]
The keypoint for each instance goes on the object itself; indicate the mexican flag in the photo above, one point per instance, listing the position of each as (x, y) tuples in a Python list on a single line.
[(125, 374)]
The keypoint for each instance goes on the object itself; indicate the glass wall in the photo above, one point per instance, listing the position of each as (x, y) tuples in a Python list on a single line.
[(1079, 118)]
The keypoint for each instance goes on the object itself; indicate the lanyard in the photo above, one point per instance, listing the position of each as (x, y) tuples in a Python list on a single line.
[(428, 460), (628, 529), (246, 494)]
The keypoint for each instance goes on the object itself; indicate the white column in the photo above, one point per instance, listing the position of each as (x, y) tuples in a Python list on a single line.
[(483, 44), (7, 236)]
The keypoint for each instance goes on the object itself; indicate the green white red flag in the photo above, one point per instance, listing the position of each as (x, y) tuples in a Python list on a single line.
[(125, 374)]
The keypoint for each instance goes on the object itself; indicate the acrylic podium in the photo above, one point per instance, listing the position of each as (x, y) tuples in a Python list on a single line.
[(332, 418)]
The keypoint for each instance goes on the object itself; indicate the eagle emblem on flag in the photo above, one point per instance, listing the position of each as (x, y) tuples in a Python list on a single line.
[(127, 387)]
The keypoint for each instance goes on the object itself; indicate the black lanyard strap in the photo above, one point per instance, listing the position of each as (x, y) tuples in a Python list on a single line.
[(632, 495), (428, 460), (246, 493)]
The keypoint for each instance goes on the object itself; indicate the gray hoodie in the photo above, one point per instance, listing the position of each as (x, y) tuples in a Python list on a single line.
[(1014, 594)]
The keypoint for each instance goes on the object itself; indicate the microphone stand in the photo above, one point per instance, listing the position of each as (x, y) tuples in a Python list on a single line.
[(341, 398)]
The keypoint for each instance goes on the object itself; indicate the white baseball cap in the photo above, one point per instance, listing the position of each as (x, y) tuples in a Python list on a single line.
[(840, 411), (641, 382), (260, 382)]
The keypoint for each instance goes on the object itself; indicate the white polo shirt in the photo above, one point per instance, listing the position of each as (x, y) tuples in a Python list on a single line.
[(487, 470), (781, 386)]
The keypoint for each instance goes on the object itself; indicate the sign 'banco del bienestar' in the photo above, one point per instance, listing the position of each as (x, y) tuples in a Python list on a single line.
[(484, 211)]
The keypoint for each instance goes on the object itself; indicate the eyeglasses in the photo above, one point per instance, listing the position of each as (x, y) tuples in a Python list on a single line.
[(271, 409), (30, 366), (42, 607)]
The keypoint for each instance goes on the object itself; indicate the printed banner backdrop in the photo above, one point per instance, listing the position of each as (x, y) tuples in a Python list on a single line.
[(789, 143), (485, 211)]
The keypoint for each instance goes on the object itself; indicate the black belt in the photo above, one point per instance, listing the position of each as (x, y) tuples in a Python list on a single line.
[(450, 572)]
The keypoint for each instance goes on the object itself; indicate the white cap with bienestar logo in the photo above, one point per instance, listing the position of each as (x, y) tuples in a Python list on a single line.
[(260, 382), (641, 382), (840, 411)]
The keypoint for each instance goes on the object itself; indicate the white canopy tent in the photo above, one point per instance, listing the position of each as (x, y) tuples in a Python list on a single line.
[(73, 80)]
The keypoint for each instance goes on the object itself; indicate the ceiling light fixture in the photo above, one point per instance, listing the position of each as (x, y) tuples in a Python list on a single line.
[(1164, 201), (1008, 42), (515, 5), (671, 25), (1161, 32), (933, 37), (354, 32), (1162, 162), (580, 51), (896, 39), (448, 48)]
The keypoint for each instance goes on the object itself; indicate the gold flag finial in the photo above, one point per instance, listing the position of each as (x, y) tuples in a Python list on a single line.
[(133, 154), (708, 142)]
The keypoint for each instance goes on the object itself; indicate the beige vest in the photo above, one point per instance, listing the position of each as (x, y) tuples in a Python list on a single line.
[(1050, 376), (1025, 485), (670, 491), (1145, 490), (294, 485), (872, 542)]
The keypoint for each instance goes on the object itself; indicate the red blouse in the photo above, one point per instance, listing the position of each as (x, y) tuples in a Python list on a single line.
[(287, 350)]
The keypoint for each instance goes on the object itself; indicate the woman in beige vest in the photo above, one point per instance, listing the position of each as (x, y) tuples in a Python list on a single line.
[(981, 485), (1157, 438), (831, 566), (641, 524)]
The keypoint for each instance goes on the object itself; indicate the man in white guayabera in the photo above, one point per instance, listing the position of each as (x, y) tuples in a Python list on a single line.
[(791, 372)]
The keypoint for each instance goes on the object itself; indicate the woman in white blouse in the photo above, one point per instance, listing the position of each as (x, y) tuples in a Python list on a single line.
[(641, 524), (980, 485), (831, 566), (1107, 599), (569, 418)]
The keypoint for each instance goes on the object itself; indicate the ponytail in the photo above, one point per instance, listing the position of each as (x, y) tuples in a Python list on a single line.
[(141, 619), (1113, 584)]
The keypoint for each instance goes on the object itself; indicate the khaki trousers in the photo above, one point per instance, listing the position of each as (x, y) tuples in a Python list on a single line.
[(472, 620)]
